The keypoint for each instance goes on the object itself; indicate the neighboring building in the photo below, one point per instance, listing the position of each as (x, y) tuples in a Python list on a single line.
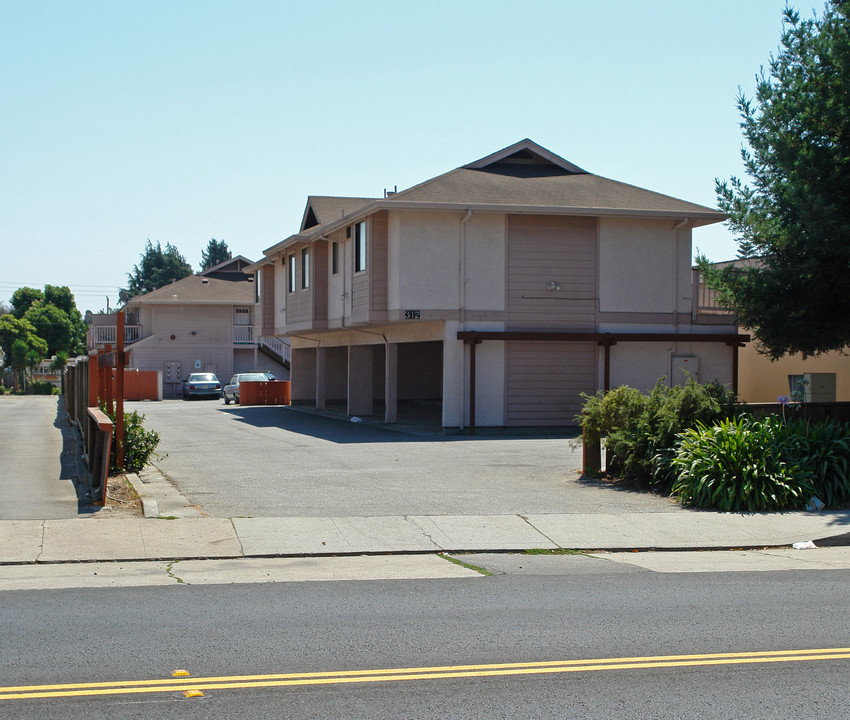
[(498, 293), (202, 323), (825, 378)]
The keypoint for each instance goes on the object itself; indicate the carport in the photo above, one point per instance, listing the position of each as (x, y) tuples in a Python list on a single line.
[(397, 378)]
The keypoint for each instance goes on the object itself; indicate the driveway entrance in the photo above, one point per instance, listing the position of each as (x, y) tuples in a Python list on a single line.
[(256, 461)]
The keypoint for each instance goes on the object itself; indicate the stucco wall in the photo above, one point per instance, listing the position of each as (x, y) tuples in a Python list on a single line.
[(636, 266), (640, 365), (279, 294), (763, 380), (484, 261), (489, 381)]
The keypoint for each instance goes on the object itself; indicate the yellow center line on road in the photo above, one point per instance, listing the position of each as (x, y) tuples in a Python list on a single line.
[(240, 682)]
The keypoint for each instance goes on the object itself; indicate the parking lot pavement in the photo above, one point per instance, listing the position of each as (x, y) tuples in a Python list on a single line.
[(234, 461)]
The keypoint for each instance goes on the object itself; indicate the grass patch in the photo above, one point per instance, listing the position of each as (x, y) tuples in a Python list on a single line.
[(556, 551), (466, 565), (167, 517), (170, 573)]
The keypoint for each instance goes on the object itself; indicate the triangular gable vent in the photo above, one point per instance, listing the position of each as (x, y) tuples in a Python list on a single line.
[(309, 220), (525, 159)]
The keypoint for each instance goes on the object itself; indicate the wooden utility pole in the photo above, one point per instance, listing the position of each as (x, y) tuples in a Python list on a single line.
[(119, 392)]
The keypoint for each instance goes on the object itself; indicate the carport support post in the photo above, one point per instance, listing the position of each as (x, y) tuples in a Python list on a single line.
[(391, 383), (472, 344), (321, 368), (360, 395)]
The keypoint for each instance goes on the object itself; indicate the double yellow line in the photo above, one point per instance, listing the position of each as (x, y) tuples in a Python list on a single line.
[(241, 682)]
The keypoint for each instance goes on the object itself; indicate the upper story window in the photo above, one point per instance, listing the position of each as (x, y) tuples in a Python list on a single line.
[(360, 247), (291, 270), (305, 268), (334, 258)]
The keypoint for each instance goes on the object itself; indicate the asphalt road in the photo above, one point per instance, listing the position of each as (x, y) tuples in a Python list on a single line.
[(276, 462), (605, 613), (37, 460)]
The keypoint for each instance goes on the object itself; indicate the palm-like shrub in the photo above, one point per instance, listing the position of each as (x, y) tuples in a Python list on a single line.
[(822, 451), (739, 464)]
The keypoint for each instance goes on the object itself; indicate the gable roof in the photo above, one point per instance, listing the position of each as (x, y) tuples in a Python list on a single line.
[(521, 178), (234, 264), (323, 209), (199, 290), (526, 174)]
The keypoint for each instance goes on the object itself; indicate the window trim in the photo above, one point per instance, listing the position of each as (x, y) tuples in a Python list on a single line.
[(305, 268), (291, 272), (360, 247), (334, 258)]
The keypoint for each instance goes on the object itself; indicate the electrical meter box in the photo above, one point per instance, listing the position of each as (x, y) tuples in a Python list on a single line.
[(172, 372), (684, 367)]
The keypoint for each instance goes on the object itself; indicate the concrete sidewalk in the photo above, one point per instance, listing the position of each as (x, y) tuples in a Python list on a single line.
[(103, 539)]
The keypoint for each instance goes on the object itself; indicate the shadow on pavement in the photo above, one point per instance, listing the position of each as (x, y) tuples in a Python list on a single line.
[(72, 466), (338, 428)]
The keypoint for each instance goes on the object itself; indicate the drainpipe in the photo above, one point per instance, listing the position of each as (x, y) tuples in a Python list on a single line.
[(462, 311), (676, 228)]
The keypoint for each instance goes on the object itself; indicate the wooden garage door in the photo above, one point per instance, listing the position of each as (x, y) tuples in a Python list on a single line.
[(545, 380)]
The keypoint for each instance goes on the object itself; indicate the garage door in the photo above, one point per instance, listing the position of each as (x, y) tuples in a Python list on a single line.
[(546, 379)]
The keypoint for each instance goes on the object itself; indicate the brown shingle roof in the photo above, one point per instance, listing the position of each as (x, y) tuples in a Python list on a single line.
[(197, 289), (326, 208), (567, 190)]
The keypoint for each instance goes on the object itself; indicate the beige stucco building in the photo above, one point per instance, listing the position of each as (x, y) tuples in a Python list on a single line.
[(202, 323), (496, 293)]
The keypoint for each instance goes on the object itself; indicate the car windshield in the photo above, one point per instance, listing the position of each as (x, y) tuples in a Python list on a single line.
[(253, 377), (203, 377)]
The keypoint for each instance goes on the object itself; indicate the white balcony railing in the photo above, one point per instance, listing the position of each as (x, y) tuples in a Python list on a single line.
[(243, 333), (104, 334)]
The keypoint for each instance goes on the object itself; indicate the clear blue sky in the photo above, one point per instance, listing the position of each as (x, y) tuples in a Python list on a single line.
[(183, 121)]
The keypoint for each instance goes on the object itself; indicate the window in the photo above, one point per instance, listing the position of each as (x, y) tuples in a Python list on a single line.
[(305, 268), (360, 247), (334, 258), (291, 273)]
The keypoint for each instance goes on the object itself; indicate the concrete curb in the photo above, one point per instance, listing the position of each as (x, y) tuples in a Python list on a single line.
[(150, 508)]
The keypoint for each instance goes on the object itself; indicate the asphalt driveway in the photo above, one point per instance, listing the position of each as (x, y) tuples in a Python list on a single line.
[(39, 464), (235, 461)]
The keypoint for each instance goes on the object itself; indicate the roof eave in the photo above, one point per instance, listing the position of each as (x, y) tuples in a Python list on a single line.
[(696, 218)]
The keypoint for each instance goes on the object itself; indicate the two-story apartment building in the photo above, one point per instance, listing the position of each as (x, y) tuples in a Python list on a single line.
[(202, 323), (498, 292)]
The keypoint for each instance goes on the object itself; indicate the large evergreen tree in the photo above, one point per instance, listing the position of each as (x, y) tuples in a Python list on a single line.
[(795, 219), (157, 268), (216, 252)]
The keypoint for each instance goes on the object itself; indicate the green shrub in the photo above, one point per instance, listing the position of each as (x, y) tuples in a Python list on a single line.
[(822, 451), (37, 387), (640, 430), (739, 464), (139, 444)]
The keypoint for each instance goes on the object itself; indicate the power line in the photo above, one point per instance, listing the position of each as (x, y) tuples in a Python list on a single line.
[(38, 285)]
